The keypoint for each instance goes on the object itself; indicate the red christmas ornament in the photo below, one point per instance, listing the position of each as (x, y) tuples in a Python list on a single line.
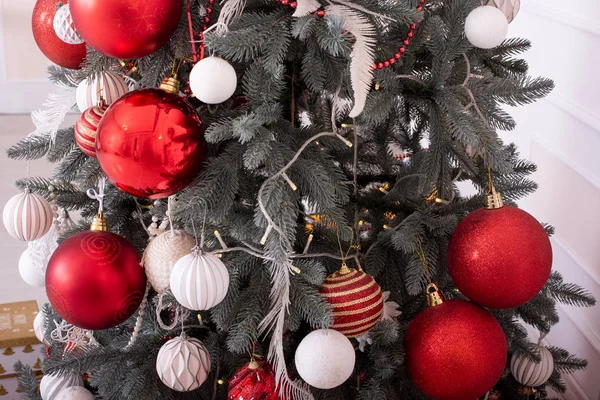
[(59, 52), (94, 279), (455, 350), (86, 127), (254, 381), (499, 257), (356, 300), (150, 143), (126, 29)]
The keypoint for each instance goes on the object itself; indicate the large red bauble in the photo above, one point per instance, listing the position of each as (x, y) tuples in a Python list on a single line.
[(455, 351), (126, 28), (356, 301), (94, 280), (254, 381), (500, 258), (59, 52), (150, 143)]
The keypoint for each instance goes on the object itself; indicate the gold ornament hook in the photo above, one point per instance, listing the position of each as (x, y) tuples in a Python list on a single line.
[(170, 84), (99, 223), (494, 198), (434, 295)]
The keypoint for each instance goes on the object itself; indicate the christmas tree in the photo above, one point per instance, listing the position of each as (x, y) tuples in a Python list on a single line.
[(281, 217)]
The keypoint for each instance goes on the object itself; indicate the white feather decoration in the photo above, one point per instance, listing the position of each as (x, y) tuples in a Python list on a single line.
[(363, 52), (306, 7), (47, 121), (232, 11)]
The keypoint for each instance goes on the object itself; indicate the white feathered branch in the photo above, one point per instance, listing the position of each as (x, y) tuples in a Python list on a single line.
[(47, 121), (232, 11)]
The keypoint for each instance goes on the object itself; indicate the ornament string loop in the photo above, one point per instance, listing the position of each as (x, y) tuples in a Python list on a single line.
[(99, 196), (421, 255), (344, 268)]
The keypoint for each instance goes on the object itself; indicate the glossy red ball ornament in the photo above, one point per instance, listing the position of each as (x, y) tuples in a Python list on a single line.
[(61, 53), (86, 128), (455, 351), (94, 280), (150, 143), (500, 258), (254, 381), (126, 28), (356, 301)]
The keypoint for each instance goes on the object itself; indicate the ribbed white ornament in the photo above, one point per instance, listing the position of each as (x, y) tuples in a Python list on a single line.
[(51, 385), (161, 255), (64, 28), (27, 216), (510, 8), (38, 327), (110, 85), (28, 271), (529, 373), (75, 393), (199, 281), (183, 363)]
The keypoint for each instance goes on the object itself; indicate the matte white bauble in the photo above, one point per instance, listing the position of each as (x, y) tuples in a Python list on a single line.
[(52, 385), (29, 273), (27, 216), (486, 27), (213, 80), (75, 393), (38, 327), (510, 8), (529, 373), (64, 28), (183, 363), (325, 358), (161, 255), (110, 85), (199, 281)]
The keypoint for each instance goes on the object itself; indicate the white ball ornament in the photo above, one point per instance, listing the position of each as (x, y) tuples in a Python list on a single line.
[(64, 28), (325, 358), (486, 27), (110, 85), (510, 8), (27, 216), (199, 281), (75, 393), (213, 80), (530, 373), (52, 385), (29, 272), (183, 363)]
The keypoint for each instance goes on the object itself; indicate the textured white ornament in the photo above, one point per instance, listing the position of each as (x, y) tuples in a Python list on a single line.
[(529, 373), (199, 281), (51, 385), (325, 358), (183, 363), (110, 85), (510, 8), (64, 28), (486, 27), (27, 216), (213, 80), (75, 393), (29, 273), (38, 327), (161, 255), (34, 260)]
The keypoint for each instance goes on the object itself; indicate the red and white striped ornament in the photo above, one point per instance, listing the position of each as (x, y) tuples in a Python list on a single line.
[(356, 300), (86, 127)]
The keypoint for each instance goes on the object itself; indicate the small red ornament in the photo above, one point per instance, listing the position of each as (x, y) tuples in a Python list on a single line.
[(126, 29), (455, 350), (61, 53), (500, 257), (356, 300), (150, 142), (94, 279), (254, 381), (86, 127)]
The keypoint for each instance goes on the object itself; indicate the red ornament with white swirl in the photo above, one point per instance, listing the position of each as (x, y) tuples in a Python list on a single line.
[(109, 85), (86, 128), (27, 216), (183, 363)]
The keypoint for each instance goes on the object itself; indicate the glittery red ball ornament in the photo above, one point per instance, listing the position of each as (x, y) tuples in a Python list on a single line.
[(150, 143), (86, 127), (59, 52), (94, 280), (356, 300), (254, 381), (455, 351), (500, 258), (126, 28)]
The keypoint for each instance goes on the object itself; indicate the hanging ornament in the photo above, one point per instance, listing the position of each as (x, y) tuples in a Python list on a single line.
[(75, 393), (454, 349), (183, 363), (325, 358), (86, 128), (213, 80), (27, 216), (63, 26), (510, 8), (51, 385), (105, 85), (254, 381), (486, 27), (28, 271), (151, 157), (199, 281), (61, 53), (356, 300), (126, 30), (38, 327), (34, 260), (499, 256), (530, 373)]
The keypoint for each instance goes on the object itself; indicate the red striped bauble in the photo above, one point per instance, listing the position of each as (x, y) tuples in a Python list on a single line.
[(356, 300), (86, 127)]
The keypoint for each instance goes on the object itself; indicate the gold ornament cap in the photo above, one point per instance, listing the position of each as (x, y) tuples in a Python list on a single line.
[(434, 295), (170, 84), (344, 269), (99, 223), (253, 364), (494, 199)]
